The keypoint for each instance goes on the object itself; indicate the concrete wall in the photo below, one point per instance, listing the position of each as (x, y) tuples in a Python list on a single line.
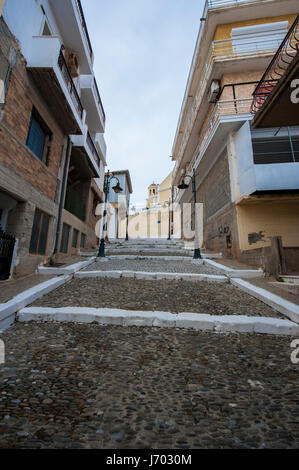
[(145, 224), (268, 219)]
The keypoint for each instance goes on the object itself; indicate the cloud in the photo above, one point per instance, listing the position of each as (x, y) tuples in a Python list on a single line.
[(143, 50)]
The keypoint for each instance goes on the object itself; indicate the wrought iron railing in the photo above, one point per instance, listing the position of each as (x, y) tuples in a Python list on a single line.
[(93, 149), (84, 27), (70, 83), (99, 100), (283, 58)]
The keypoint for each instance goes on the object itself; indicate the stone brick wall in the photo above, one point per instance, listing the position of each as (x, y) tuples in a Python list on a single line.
[(21, 97), (220, 228), (32, 183)]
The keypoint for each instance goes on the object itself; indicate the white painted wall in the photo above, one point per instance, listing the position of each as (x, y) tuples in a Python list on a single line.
[(244, 160)]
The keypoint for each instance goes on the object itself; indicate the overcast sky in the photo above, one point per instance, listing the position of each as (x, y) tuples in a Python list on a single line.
[(143, 51)]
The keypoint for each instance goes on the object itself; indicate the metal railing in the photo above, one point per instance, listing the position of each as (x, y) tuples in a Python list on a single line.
[(211, 4), (99, 100), (84, 27), (93, 149), (226, 48), (286, 53), (70, 83), (222, 108)]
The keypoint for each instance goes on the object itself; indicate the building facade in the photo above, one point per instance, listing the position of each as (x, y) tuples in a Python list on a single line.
[(246, 178), (52, 123), (156, 219), (119, 204)]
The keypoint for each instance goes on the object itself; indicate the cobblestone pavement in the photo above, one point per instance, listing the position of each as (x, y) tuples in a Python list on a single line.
[(152, 265), (73, 386), (167, 296)]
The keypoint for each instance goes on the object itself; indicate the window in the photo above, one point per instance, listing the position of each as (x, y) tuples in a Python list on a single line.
[(38, 137), (65, 238), (39, 234), (83, 240), (75, 238), (275, 145)]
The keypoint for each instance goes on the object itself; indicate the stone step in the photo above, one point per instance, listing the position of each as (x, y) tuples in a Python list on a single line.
[(290, 279)]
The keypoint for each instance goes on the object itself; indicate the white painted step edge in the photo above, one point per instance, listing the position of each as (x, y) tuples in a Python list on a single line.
[(8, 309), (247, 273), (105, 316), (68, 269), (149, 276), (277, 303)]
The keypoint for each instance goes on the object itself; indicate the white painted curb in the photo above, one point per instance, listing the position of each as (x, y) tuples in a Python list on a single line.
[(8, 309), (148, 276), (278, 303), (231, 273), (144, 257), (105, 316), (68, 269)]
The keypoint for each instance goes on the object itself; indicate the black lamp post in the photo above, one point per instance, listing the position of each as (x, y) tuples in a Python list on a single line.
[(117, 189), (127, 224), (169, 220), (183, 185)]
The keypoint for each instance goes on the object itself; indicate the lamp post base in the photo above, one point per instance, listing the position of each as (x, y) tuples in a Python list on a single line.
[(101, 253), (197, 254)]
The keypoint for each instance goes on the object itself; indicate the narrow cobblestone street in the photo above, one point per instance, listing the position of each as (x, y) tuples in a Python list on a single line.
[(73, 385), (168, 296), (86, 386)]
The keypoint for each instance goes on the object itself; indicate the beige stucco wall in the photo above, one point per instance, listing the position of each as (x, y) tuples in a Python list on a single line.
[(223, 31), (271, 218)]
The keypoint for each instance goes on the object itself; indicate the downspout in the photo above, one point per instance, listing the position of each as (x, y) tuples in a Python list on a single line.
[(62, 198)]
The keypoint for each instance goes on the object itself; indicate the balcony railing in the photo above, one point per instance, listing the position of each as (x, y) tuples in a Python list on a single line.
[(226, 3), (70, 84), (84, 27), (222, 108), (285, 55), (228, 49), (99, 100), (93, 149)]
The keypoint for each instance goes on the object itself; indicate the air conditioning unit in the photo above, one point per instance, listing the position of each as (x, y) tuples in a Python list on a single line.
[(73, 65), (214, 91)]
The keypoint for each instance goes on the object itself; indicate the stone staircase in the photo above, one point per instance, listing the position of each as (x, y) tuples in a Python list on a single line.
[(150, 247)]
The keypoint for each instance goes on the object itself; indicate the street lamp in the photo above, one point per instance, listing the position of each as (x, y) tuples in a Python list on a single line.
[(127, 225), (117, 189), (169, 220), (184, 185)]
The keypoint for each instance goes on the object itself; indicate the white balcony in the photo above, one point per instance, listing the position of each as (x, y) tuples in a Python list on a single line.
[(71, 22), (253, 177), (92, 102), (101, 147), (87, 156), (48, 68)]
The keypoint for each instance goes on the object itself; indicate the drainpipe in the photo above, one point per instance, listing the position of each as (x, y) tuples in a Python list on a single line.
[(62, 198)]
